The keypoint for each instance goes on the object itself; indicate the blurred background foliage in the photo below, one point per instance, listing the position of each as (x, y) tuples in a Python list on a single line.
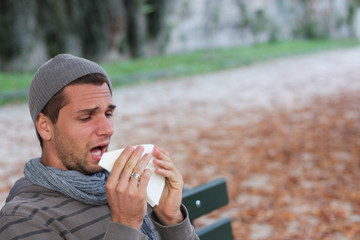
[(93, 29), (33, 31), (151, 39)]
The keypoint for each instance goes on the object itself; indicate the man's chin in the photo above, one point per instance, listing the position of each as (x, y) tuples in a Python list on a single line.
[(94, 170), (90, 170)]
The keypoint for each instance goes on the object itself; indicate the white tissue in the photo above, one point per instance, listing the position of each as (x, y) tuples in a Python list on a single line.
[(156, 183)]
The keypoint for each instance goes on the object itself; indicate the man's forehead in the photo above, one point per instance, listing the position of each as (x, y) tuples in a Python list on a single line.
[(83, 94)]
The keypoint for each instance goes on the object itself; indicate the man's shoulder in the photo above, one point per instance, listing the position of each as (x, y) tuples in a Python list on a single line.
[(24, 187), (18, 186), (24, 197), (30, 198), (34, 207), (35, 203)]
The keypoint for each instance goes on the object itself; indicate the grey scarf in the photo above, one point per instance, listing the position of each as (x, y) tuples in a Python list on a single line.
[(89, 189)]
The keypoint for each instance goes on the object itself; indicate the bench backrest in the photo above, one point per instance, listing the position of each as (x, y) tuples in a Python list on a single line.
[(204, 199)]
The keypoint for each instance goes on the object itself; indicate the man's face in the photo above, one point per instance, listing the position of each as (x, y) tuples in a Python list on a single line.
[(84, 127)]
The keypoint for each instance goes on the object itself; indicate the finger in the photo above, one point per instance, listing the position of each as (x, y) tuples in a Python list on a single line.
[(162, 154), (120, 164), (145, 177), (131, 163), (140, 167), (171, 175), (112, 182), (162, 150), (144, 161), (164, 164), (168, 170)]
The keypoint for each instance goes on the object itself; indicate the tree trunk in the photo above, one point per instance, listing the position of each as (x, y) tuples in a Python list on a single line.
[(135, 27)]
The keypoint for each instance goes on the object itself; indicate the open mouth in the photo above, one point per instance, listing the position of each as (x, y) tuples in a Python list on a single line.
[(98, 151)]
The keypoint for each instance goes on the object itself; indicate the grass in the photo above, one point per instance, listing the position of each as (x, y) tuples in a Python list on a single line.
[(200, 62), (14, 86)]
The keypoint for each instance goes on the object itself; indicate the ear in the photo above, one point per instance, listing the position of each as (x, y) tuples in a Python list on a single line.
[(44, 127)]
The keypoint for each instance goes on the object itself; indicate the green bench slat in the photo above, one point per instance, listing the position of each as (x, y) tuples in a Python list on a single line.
[(218, 230), (206, 198)]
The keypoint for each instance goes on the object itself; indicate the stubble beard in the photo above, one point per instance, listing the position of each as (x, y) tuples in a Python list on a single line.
[(70, 156)]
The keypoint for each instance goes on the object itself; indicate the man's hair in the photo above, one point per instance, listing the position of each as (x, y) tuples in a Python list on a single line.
[(60, 100)]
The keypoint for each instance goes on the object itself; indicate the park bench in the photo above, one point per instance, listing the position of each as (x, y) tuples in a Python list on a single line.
[(204, 199)]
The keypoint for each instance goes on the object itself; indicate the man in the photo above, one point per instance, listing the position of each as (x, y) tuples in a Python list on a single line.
[(65, 193)]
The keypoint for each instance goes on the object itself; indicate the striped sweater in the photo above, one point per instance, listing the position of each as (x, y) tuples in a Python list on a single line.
[(34, 212)]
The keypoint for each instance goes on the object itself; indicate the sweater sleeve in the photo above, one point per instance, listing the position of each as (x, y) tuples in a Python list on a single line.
[(120, 231), (19, 227), (181, 231)]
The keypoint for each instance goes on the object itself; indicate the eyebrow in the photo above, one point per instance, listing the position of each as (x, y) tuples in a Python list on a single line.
[(112, 107), (92, 110)]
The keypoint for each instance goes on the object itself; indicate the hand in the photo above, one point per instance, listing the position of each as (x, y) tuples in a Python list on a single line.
[(126, 195), (168, 211)]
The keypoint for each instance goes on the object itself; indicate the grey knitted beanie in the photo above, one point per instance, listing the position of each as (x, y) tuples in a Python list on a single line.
[(54, 75)]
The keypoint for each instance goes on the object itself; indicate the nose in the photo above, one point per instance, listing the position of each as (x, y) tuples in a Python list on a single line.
[(105, 126)]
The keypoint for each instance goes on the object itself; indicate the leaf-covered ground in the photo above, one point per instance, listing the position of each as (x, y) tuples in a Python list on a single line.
[(292, 174)]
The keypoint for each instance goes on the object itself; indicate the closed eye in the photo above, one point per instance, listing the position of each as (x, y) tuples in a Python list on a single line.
[(85, 119), (109, 114)]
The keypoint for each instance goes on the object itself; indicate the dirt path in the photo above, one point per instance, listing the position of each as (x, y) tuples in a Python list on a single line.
[(278, 131)]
